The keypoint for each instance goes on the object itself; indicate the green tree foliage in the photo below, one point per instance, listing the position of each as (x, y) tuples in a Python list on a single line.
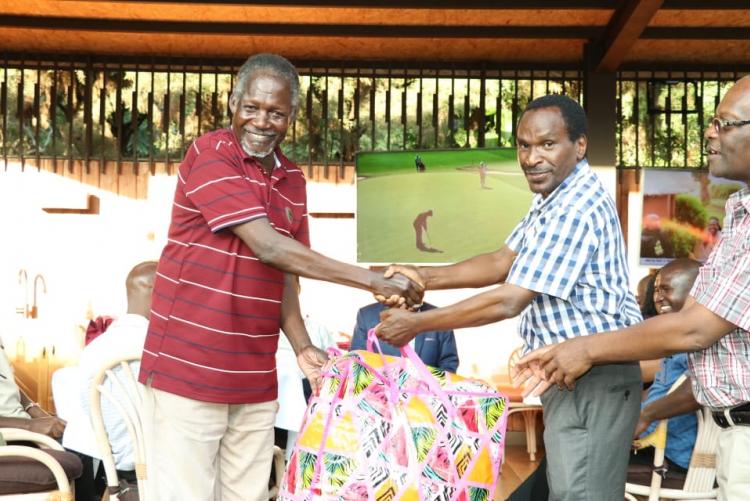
[(690, 210), (683, 241)]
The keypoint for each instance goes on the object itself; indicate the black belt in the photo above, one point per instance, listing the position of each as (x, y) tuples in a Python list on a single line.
[(740, 416)]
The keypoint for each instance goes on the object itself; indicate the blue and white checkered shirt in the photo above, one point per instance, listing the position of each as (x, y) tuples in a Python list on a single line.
[(570, 251)]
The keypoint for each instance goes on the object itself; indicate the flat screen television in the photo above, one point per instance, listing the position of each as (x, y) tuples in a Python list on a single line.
[(437, 206)]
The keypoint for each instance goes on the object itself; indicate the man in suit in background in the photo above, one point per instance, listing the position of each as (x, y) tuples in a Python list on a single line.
[(435, 348)]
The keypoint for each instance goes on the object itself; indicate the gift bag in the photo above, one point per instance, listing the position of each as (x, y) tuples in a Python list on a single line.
[(388, 428)]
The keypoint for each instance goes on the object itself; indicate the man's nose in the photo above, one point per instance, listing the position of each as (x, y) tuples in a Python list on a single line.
[(260, 120), (534, 156), (710, 132)]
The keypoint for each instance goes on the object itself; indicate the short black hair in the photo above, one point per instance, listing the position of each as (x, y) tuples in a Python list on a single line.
[(572, 113)]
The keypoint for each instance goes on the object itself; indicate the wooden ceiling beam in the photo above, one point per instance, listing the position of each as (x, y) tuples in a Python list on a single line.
[(712, 5), (299, 29), (420, 4), (692, 33), (625, 27)]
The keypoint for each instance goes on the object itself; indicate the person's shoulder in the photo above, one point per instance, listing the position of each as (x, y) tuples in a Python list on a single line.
[(219, 143), (589, 204), (291, 168)]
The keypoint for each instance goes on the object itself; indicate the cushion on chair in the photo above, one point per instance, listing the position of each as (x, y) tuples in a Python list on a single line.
[(641, 474), (20, 475)]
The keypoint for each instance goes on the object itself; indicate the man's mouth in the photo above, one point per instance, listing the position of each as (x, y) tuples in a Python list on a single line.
[(665, 308), (255, 136), (710, 151), (536, 174)]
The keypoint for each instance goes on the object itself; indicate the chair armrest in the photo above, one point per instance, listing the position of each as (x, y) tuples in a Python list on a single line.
[(17, 435), (65, 494)]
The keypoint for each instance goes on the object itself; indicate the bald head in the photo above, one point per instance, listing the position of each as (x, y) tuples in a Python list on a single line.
[(673, 284), (139, 286), (728, 149)]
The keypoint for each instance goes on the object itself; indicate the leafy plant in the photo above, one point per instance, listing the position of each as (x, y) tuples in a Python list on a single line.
[(683, 241), (690, 210), (130, 143)]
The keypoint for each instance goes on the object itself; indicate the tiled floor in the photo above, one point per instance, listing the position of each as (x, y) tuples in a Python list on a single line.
[(515, 470)]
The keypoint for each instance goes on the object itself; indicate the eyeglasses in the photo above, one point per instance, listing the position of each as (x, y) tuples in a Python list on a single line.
[(718, 123)]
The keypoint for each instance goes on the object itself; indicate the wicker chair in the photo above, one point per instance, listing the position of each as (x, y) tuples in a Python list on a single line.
[(277, 472), (529, 411), (128, 403), (699, 482), (63, 492), (124, 382)]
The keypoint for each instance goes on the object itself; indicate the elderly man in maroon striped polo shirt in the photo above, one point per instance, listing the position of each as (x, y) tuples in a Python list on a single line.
[(225, 286)]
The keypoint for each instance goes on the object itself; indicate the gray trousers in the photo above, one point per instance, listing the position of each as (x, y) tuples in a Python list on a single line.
[(588, 432)]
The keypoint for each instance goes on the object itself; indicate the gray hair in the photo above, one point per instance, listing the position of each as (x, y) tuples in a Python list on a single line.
[(268, 63)]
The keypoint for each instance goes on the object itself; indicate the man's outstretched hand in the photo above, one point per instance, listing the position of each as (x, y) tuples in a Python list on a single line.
[(396, 326), (311, 361), (560, 364), (399, 289)]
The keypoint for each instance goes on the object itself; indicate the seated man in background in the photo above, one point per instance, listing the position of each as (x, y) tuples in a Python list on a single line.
[(125, 335), (435, 348), (671, 289), (17, 410)]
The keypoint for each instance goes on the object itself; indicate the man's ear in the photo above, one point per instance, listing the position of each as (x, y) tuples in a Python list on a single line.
[(581, 145), (232, 103)]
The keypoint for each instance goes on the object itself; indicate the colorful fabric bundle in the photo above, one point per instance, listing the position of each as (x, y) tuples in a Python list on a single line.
[(387, 428)]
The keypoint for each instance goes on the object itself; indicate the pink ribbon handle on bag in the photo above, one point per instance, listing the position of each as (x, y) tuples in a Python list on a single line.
[(425, 374)]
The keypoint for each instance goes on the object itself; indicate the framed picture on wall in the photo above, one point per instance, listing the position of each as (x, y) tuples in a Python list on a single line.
[(683, 214), (437, 206)]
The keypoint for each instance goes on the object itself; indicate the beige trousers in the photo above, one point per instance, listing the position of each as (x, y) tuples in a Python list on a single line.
[(202, 451), (733, 463)]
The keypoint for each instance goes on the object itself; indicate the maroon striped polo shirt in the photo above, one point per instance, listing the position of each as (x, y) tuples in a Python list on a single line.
[(216, 309)]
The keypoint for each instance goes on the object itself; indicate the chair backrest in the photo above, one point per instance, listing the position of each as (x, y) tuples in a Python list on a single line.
[(514, 357), (702, 469), (277, 472), (63, 492), (125, 395)]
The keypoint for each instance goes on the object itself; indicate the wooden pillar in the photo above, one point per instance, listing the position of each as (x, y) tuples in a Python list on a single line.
[(600, 103)]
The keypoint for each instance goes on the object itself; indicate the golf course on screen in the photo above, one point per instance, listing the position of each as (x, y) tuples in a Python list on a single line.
[(432, 207)]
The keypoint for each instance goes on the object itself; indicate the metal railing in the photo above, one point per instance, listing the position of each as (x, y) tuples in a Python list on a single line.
[(103, 113), (662, 116)]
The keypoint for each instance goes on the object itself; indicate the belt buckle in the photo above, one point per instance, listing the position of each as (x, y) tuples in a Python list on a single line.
[(720, 419)]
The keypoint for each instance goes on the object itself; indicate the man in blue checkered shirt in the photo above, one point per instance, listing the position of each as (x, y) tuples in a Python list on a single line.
[(713, 326), (564, 270)]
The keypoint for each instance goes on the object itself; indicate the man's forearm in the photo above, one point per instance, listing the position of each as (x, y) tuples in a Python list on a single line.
[(290, 256), (479, 271), (680, 401), (691, 329), (9, 422), (502, 302)]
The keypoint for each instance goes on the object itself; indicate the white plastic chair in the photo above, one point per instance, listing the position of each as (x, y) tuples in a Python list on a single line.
[(128, 402), (64, 491)]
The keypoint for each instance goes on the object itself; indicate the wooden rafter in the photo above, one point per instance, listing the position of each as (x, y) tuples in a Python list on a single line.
[(623, 30)]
